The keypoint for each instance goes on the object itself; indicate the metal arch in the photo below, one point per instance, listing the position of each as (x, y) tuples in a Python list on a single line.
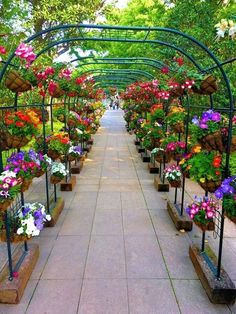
[(138, 73)]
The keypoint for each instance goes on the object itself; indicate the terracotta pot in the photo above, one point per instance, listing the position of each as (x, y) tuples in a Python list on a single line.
[(53, 154), (212, 142), (4, 205), (210, 185), (55, 179), (14, 238), (175, 183), (178, 127), (210, 226), (16, 83), (207, 87), (26, 184)]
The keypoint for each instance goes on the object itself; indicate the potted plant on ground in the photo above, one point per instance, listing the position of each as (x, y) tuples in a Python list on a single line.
[(173, 175), (202, 211), (10, 186), (27, 222)]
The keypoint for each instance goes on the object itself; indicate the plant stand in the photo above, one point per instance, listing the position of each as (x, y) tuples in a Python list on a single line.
[(90, 142), (219, 291), (152, 168), (68, 186), (55, 212), (136, 142), (76, 169), (180, 221), (145, 157), (140, 149), (11, 291), (87, 148), (160, 186)]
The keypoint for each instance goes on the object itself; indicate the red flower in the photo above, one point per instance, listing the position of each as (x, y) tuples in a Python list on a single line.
[(165, 70), (19, 124), (2, 50), (8, 121)]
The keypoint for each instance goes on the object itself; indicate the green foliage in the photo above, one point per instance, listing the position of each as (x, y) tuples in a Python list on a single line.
[(229, 204)]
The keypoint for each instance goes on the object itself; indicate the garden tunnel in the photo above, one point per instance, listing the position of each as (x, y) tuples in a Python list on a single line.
[(123, 74)]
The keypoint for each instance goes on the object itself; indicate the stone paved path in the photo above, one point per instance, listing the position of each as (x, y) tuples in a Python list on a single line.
[(114, 249)]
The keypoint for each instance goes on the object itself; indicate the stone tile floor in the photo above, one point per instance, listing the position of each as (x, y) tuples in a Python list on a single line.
[(114, 249)]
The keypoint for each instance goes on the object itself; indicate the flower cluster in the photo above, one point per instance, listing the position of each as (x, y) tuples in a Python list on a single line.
[(202, 210), (175, 147), (9, 185), (173, 173), (26, 53), (75, 151), (228, 187), (59, 170), (58, 142), (207, 118), (22, 123), (224, 26), (31, 219)]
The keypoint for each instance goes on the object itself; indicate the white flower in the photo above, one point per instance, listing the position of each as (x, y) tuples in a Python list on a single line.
[(79, 131), (48, 217), (6, 174), (35, 232), (48, 159), (20, 230)]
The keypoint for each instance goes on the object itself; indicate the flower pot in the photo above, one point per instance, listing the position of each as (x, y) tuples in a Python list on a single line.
[(178, 127), (160, 157), (209, 226), (14, 238), (39, 173), (175, 183), (210, 185), (212, 142), (71, 157), (207, 87), (53, 154), (8, 141), (4, 205), (16, 83), (54, 179), (26, 184)]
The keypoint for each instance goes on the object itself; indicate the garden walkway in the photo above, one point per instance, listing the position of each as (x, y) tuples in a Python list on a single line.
[(114, 249)]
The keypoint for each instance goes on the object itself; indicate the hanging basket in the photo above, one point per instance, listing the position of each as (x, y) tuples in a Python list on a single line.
[(53, 154), (175, 183), (210, 185), (39, 173), (176, 92), (177, 156), (207, 87), (212, 142), (4, 205), (57, 93), (16, 83), (54, 179), (74, 137), (71, 157), (178, 127), (26, 184), (209, 226), (8, 140), (160, 157), (233, 144), (14, 238)]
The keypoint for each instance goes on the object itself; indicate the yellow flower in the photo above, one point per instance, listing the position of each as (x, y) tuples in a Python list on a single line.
[(202, 180), (196, 149), (182, 161)]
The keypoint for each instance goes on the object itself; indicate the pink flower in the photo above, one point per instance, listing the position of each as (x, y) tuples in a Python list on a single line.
[(5, 186), (2, 50), (24, 51), (66, 73), (210, 214)]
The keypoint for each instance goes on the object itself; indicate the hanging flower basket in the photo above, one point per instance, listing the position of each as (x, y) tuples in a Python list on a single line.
[(39, 173), (26, 184), (71, 123), (176, 92), (160, 157), (210, 185), (178, 127), (177, 157), (16, 83), (53, 154), (71, 157), (55, 179), (207, 87), (209, 226), (212, 142), (175, 183), (4, 205), (74, 136), (12, 141), (14, 238)]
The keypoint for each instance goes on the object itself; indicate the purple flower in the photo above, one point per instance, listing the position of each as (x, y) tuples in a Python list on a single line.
[(195, 120), (219, 194), (216, 116), (25, 210), (203, 125)]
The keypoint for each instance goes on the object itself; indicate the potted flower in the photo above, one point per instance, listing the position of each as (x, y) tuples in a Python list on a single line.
[(176, 121), (207, 130), (227, 192), (60, 112), (27, 222), (74, 152), (57, 144), (75, 134), (173, 175), (40, 160), (9, 187), (58, 172), (206, 168), (18, 128), (202, 211), (20, 81), (176, 149), (73, 119), (157, 115)]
